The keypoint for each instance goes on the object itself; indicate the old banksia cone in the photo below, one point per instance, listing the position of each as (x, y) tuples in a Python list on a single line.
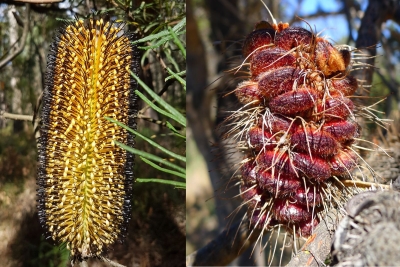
[(85, 179), (297, 127)]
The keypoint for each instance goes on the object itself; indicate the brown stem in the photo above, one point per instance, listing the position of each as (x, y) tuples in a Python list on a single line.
[(318, 245), (163, 90), (21, 46), (6, 115), (230, 244), (39, 1), (112, 263), (161, 123), (378, 11), (362, 184)]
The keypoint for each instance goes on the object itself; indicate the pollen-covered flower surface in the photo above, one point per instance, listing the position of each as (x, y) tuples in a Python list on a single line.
[(85, 179)]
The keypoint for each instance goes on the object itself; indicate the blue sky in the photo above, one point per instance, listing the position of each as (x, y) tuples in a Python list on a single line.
[(334, 27)]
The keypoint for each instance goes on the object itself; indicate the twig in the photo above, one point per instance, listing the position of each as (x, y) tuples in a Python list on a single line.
[(163, 90), (319, 13), (392, 85), (79, 263), (39, 1), (377, 12), (23, 39), (6, 115), (85, 264), (318, 245), (88, 6), (232, 242), (362, 184), (42, 9), (226, 247), (112, 263), (21, 117), (161, 123)]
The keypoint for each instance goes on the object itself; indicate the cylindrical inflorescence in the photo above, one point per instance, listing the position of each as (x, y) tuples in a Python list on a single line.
[(85, 180), (302, 139)]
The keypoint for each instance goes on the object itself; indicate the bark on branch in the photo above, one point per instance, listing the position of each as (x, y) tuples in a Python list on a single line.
[(21, 45), (43, 8), (230, 244), (39, 1), (21, 117), (370, 31), (318, 245)]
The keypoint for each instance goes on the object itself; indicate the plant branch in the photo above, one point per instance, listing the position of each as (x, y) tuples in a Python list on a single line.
[(112, 263), (85, 264), (318, 245), (392, 84), (21, 46), (234, 241), (163, 90), (226, 247), (369, 34), (11, 116), (161, 123), (41, 9), (318, 14), (39, 1)]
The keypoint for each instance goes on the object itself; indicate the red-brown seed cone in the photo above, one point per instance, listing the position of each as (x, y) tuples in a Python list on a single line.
[(333, 108), (278, 81), (258, 39), (279, 185), (259, 139), (270, 59), (294, 102), (315, 141), (305, 128), (247, 92)]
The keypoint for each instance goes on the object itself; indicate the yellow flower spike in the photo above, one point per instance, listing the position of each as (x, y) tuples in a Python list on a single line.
[(73, 193)]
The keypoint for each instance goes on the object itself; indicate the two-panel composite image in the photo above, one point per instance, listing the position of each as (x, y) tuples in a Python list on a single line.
[(199, 133)]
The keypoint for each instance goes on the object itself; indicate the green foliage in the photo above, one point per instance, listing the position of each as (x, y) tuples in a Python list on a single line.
[(162, 28), (170, 38), (52, 256), (166, 40), (153, 17), (150, 159)]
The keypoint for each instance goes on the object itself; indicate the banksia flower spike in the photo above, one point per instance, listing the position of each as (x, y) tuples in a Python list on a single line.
[(297, 128), (85, 180)]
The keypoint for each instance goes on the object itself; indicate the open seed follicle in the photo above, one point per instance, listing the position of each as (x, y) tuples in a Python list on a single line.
[(300, 144)]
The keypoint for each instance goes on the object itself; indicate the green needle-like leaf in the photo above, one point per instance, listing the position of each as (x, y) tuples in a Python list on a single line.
[(179, 117), (162, 181), (151, 104), (182, 81), (178, 43), (150, 156), (182, 175), (172, 154)]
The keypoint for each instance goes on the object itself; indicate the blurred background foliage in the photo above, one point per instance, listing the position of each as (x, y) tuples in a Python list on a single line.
[(156, 233), (216, 30)]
